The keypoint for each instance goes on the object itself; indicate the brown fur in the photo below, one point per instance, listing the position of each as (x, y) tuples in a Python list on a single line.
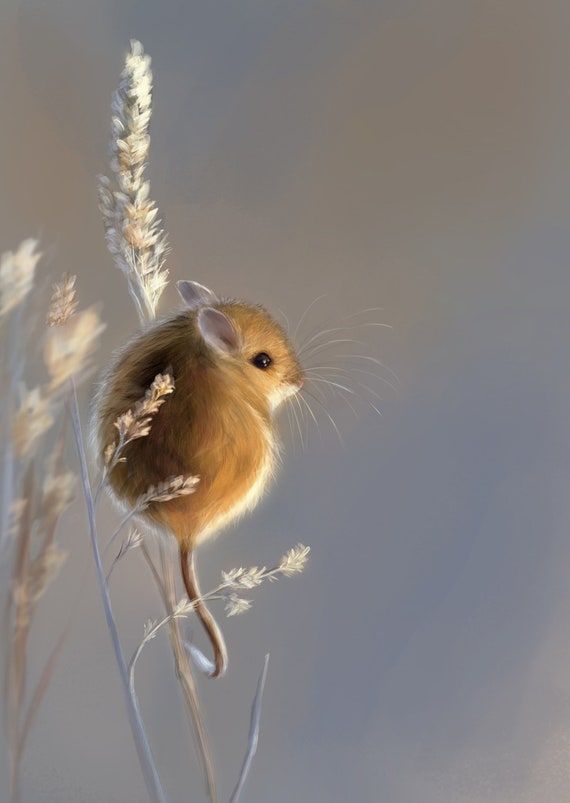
[(217, 425)]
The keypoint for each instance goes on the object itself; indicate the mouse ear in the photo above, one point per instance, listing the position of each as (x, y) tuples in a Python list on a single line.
[(195, 294), (217, 330)]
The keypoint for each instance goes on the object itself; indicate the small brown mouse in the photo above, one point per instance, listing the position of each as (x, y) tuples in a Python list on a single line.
[(233, 365)]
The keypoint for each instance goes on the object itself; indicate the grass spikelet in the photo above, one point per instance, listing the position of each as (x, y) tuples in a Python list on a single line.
[(133, 231), (136, 423), (294, 561), (171, 488), (44, 570), (236, 605), (17, 270), (33, 418), (58, 489), (63, 302), (68, 346)]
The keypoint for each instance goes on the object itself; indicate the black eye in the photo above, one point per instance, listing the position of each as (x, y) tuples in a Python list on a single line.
[(262, 360)]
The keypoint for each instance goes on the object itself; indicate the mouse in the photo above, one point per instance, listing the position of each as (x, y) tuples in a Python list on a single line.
[(233, 367)]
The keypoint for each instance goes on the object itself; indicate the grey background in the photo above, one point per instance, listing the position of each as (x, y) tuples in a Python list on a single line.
[(409, 155)]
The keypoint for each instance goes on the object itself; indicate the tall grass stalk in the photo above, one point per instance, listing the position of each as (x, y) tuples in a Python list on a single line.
[(138, 244), (150, 773)]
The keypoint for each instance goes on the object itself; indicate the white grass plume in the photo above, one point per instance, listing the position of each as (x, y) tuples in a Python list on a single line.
[(133, 230)]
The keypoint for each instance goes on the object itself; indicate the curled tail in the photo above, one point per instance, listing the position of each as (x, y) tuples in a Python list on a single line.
[(215, 635)]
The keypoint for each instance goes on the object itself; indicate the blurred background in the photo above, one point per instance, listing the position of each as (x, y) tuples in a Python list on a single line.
[(413, 156)]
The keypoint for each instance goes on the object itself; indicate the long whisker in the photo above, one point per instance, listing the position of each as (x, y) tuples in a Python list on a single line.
[(300, 431), (320, 346), (326, 412), (346, 400), (360, 385), (351, 368), (377, 376), (376, 410), (370, 390), (343, 389), (342, 374), (304, 419), (304, 315), (308, 406), (377, 362), (335, 329), (348, 373), (310, 340), (363, 311), (290, 424), (330, 382), (286, 319)]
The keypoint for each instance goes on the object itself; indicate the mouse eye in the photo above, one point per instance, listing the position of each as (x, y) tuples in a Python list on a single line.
[(262, 360)]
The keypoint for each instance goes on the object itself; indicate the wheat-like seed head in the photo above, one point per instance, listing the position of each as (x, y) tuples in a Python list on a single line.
[(44, 570), (291, 563), (236, 605), (17, 270), (33, 417), (133, 231), (63, 301), (68, 346), (58, 489), (136, 423), (244, 578), (294, 560), (168, 489), (17, 509)]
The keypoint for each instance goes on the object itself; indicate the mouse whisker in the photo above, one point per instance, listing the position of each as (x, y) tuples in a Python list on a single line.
[(286, 319), (341, 375), (326, 412), (290, 425), (294, 411), (348, 372), (331, 331), (310, 409), (303, 346), (377, 362), (304, 315), (376, 376), (334, 384), (363, 311), (303, 417), (344, 328), (348, 355), (346, 399), (341, 389), (321, 346)]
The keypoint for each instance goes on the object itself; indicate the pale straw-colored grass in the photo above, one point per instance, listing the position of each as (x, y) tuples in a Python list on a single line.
[(36, 491)]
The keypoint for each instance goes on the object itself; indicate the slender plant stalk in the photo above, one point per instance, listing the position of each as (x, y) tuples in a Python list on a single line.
[(15, 368), (17, 666), (150, 773), (253, 733), (186, 679), (166, 588)]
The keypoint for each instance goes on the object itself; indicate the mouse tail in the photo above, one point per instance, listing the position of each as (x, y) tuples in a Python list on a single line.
[(190, 578)]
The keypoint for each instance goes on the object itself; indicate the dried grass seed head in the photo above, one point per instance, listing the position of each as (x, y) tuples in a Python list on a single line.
[(32, 419), (17, 270), (63, 301), (69, 346)]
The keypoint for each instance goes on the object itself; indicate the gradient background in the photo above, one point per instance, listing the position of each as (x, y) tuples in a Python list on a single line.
[(409, 155)]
